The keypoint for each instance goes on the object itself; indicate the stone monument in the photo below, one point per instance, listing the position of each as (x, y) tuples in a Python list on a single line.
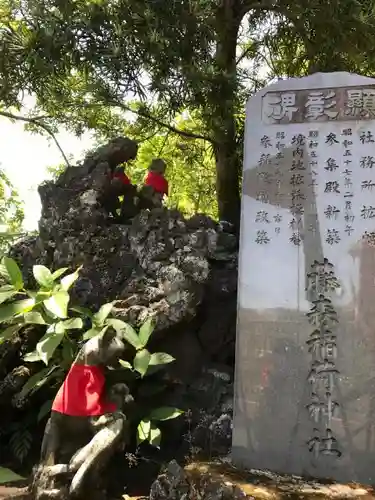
[(305, 357)]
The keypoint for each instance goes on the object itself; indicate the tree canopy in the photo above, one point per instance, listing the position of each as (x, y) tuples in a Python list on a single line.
[(11, 212), (92, 64)]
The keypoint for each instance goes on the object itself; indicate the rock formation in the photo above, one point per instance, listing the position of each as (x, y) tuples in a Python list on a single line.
[(182, 272)]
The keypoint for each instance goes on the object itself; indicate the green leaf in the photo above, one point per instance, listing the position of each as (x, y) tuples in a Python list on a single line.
[(93, 332), (99, 318), (44, 410), (43, 276), (20, 443), (145, 331), (14, 272), (34, 318), (141, 361), (48, 344), (57, 327), (6, 292), (8, 476), (8, 332), (72, 324), (35, 382), (32, 357), (42, 295), (143, 431), (161, 358), (19, 307), (59, 272), (126, 331), (155, 436), (70, 279), (3, 271), (58, 304), (82, 310), (165, 413), (68, 351), (7, 288), (125, 364)]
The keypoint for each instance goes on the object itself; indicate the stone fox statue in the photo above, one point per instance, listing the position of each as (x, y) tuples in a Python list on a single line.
[(85, 416), (121, 186), (155, 185)]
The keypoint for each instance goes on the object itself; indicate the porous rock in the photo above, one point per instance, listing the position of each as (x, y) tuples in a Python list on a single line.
[(160, 264), (177, 483)]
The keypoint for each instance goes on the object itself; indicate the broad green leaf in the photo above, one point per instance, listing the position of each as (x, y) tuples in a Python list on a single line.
[(145, 331), (68, 351), (8, 332), (161, 358), (99, 317), (43, 276), (7, 288), (125, 364), (58, 304), (32, 357), (44, 410), (72, 324), (141, 361), (57, 327), (48, 344), (6, 292), (42, 295), (165, 413), (126, 331), (93, 332), (14, 272), (8, 476), (3, 271), (70, 279), (19, 307), (59, 273), (82, 310), (34, 318), (35, 381), (143, 431), (155, 436)]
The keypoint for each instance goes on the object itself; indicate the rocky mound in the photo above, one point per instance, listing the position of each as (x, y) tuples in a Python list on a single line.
[(183, 272)]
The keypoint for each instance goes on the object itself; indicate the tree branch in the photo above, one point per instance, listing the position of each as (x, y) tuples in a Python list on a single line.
[(248, 5), (243, 55), (171, 128), (35, 121)]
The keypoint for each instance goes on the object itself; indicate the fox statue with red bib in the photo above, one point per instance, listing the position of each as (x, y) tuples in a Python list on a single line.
[(86, 425), (155, 186)]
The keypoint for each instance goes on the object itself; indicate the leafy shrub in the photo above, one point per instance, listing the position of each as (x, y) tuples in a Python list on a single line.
[(8, 476), (64, 324)]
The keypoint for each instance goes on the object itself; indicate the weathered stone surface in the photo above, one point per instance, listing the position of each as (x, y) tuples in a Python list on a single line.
[(304, 384), (222, 481), (180, 271)]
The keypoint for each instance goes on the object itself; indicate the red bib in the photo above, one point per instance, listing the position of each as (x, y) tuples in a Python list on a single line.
[(122, 177), (158, 182), (81, 394)]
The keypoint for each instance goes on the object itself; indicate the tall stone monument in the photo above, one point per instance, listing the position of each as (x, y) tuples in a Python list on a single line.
[(305, 361)]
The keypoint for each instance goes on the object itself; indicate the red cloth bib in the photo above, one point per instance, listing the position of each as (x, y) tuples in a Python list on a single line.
[(122, 177), (158, 182), (81, 394)]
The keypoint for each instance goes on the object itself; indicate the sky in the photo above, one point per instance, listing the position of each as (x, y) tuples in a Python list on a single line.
[(25, 158)]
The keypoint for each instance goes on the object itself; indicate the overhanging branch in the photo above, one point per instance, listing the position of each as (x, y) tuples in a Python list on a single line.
[(171, 128), (35, 121), (243, 55), (248, 5)]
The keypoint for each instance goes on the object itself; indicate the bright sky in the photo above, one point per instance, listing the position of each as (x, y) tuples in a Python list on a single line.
[(25, 158)]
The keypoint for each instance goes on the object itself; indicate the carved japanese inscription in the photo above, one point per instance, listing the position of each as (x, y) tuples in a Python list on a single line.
[(305, 354), (319, 105), (322, 345)]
